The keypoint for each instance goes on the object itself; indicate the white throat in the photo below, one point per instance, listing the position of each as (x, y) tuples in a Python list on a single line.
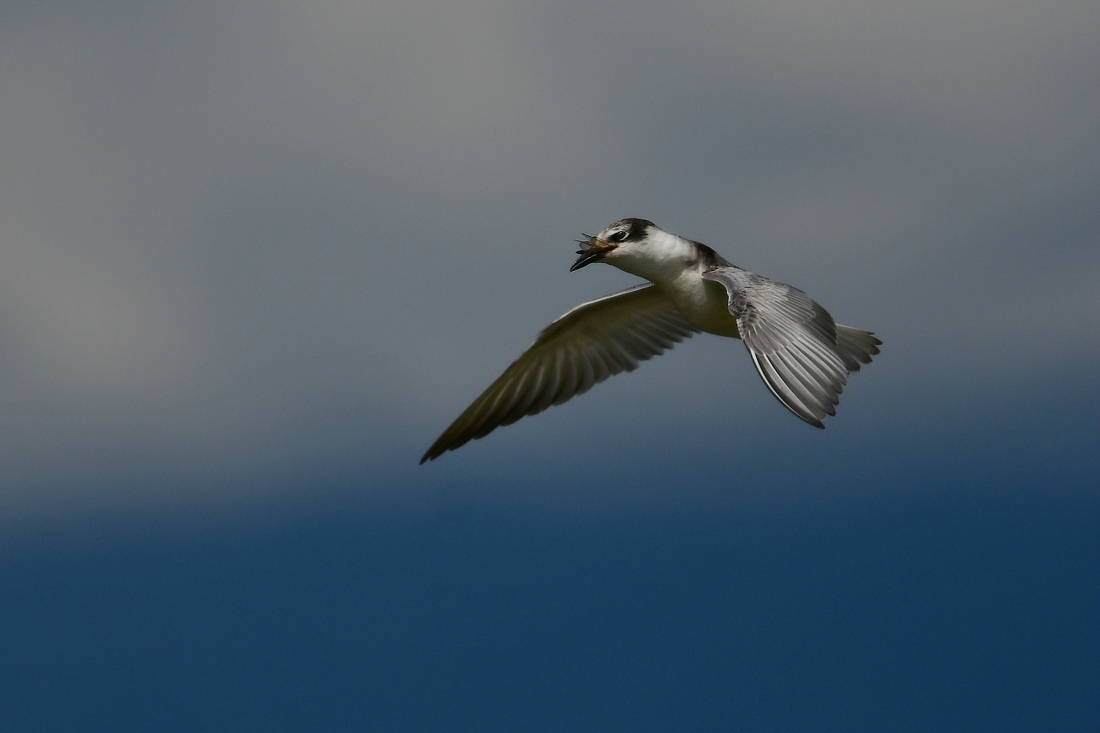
[(660, 257)]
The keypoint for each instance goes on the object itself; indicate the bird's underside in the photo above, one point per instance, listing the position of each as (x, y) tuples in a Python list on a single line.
[(802, 355)]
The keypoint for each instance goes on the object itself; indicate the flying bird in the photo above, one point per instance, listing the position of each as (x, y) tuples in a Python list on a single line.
[(803, 356)]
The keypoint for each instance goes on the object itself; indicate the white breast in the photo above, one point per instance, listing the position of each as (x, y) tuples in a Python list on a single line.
[(704, 303)]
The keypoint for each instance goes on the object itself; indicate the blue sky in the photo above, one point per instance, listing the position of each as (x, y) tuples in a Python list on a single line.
[(255, 258)]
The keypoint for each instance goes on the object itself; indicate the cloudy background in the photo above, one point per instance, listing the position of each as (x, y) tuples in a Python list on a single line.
[(255, 257)]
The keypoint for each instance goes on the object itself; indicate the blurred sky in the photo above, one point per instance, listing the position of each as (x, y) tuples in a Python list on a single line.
[(255, 256)]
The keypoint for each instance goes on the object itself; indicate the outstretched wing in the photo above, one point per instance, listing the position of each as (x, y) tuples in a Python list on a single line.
[(585, 346), (803, 356)]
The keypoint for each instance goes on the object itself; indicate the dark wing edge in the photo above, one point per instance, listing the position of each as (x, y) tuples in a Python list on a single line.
[(590, 343), (802, 355)]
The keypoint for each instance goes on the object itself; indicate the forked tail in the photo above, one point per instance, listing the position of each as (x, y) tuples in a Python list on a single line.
[(855, 346)]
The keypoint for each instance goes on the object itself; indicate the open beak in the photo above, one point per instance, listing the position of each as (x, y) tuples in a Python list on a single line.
[(592, 250)]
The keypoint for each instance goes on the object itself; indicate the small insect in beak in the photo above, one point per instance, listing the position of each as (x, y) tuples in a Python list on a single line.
[(592, 250)]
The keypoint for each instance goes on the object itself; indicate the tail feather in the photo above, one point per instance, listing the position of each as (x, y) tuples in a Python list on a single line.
[(855, 347)]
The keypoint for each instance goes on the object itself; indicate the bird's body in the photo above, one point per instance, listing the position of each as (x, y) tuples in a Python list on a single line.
[(678, 273), (802, 355)]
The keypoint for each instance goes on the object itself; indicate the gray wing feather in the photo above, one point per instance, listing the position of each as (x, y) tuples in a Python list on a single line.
[(584, 347), (801, 353)]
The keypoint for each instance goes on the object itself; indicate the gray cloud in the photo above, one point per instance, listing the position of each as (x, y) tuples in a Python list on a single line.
[(239, 239)]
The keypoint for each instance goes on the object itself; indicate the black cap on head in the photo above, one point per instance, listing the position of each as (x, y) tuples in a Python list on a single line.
[(637, 228)]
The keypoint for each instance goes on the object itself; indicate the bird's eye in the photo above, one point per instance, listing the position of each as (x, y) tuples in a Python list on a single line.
[(617, 236)]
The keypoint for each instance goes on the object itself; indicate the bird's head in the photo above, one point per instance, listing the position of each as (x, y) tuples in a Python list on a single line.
[(620, 240), (641, 248)]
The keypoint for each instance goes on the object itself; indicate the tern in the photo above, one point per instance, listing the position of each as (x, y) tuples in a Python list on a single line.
[(803, 356)]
